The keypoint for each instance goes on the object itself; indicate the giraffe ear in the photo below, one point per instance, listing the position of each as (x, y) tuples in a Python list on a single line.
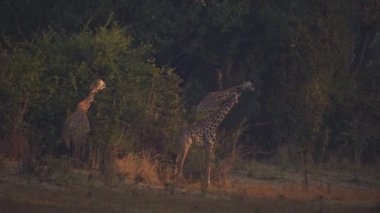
[(248, 86)]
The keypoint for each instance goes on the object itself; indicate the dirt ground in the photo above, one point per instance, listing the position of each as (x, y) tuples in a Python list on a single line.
[(254, 196), (74, 192)]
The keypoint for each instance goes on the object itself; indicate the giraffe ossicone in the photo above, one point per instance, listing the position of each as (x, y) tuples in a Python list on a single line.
[(247, 86)]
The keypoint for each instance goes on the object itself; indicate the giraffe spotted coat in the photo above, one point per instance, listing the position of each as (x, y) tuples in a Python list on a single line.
[(203, 131), (77, 125), (214, 99)]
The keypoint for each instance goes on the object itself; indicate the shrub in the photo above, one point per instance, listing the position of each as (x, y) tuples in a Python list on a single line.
[(138, 168), (43, 80)]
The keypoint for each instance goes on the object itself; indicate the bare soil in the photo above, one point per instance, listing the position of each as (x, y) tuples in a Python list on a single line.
[(20, 193), (253, 196)]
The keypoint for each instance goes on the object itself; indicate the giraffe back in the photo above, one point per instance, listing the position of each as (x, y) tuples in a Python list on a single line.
[(214, 99), (204, 130)]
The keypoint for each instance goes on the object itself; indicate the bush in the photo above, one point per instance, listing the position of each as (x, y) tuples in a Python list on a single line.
[(138, 168), (44, 79)]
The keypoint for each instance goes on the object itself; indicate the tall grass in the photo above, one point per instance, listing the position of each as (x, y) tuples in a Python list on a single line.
[(138, 168)]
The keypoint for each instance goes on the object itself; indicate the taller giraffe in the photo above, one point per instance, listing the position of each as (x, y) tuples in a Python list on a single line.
[(77, 126), (203, 132)]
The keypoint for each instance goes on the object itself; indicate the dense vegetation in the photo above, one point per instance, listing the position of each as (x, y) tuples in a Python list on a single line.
[(315, 64)]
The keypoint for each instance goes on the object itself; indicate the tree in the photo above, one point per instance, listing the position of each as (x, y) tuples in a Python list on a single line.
[(46, 77)]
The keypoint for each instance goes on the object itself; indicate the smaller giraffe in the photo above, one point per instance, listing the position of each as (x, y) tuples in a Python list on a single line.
[(203, 132), (77, 126)]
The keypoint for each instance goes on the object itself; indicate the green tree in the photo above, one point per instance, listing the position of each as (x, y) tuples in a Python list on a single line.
[(140, 108)]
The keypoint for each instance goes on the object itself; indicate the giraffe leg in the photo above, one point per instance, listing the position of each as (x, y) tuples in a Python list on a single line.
[(208, 141), (210, 156), (205, 181), (76, 155), (182, 153), (209, 160), (181, 157), (73, 151), (78, 147), (84, 152)]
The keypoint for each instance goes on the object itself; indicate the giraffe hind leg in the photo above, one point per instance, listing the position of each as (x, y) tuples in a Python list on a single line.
[(182, 153), (206, 180)]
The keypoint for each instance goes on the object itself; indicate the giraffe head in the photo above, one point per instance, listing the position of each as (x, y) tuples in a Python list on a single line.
[(214, 99), (248, 86), (97, 86), (85, 104)]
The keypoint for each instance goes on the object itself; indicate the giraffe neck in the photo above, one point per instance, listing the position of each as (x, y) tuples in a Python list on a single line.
[(235, 90), (216, 118), (85, 104)]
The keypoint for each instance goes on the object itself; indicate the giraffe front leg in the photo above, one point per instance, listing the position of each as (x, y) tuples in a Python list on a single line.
[(210, 156), (206, 180), (209, 160)]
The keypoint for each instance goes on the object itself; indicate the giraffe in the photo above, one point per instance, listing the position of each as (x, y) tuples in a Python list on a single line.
[(203, 131), (77, 126)]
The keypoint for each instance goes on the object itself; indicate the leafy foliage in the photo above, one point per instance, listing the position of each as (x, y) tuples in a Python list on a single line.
[(53, 72), (314, 64)]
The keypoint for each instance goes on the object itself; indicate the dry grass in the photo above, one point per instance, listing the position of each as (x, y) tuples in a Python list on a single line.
[(138, 168), (331, 182), (334, 193), (241, 197), (327, 173), (239, 194), (259, 186)]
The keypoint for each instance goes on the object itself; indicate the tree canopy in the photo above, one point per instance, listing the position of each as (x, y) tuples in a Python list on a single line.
[(315, 66)]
